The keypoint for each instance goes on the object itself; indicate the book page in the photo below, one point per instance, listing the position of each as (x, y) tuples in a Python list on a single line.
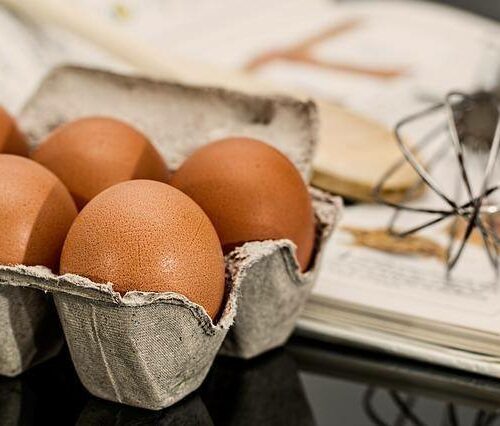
[(358, 269), (378, 58), (32, 50), (383, 59)]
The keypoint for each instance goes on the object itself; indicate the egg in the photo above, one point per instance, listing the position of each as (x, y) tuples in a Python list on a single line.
[(147, 236), (36, 212), (251, 192), (12, 140), (94, 153)]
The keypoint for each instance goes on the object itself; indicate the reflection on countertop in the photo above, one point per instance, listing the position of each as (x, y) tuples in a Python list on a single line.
[(190, 411), (263, 391), (305, 383), (353, 386)]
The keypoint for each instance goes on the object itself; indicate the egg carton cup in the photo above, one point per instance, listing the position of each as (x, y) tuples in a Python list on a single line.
[(273, 289), (147, 350)]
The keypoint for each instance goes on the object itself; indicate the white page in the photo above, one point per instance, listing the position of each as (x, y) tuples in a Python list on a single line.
[(28, 51), (441, 48), (412, 286)]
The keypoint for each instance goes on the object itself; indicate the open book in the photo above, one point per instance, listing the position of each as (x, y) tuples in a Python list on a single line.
[(404, 303)]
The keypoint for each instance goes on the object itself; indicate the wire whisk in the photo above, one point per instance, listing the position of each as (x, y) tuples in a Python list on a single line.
[(464, 132)]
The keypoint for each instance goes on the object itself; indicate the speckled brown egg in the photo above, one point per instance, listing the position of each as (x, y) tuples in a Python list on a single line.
[(12, 140), (95, 153), (251, 192), (36, 212), (147, 236)]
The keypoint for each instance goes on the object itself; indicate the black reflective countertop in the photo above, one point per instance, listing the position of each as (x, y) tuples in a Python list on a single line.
[(304, 383)]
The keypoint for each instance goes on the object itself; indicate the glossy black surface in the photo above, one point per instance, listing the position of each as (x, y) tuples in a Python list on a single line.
[(305, 383), (488, 8)]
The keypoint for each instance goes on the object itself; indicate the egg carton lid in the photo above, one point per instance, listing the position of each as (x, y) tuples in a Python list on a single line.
[(177, 118)]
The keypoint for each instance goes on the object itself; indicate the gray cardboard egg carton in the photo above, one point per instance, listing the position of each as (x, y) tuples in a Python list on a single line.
[(149, 349), (274, 289), (143, 349)]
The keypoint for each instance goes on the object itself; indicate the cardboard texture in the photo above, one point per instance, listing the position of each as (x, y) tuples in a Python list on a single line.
[(273, 289), (178, 119), (147, 350), (151, 349)]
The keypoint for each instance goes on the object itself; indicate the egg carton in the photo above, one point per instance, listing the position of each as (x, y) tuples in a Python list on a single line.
[(147, 350), (274, 290), (151, 349)]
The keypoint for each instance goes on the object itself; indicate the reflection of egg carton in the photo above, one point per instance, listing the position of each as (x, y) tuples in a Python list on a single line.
[(11, 392), (29, 330), (149, 349), (191, 411), (263, 391)]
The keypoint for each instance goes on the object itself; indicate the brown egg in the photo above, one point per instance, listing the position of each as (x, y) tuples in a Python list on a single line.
[(36, 212), (251, 192), (12, 140), (92, 154), (147, 236)]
